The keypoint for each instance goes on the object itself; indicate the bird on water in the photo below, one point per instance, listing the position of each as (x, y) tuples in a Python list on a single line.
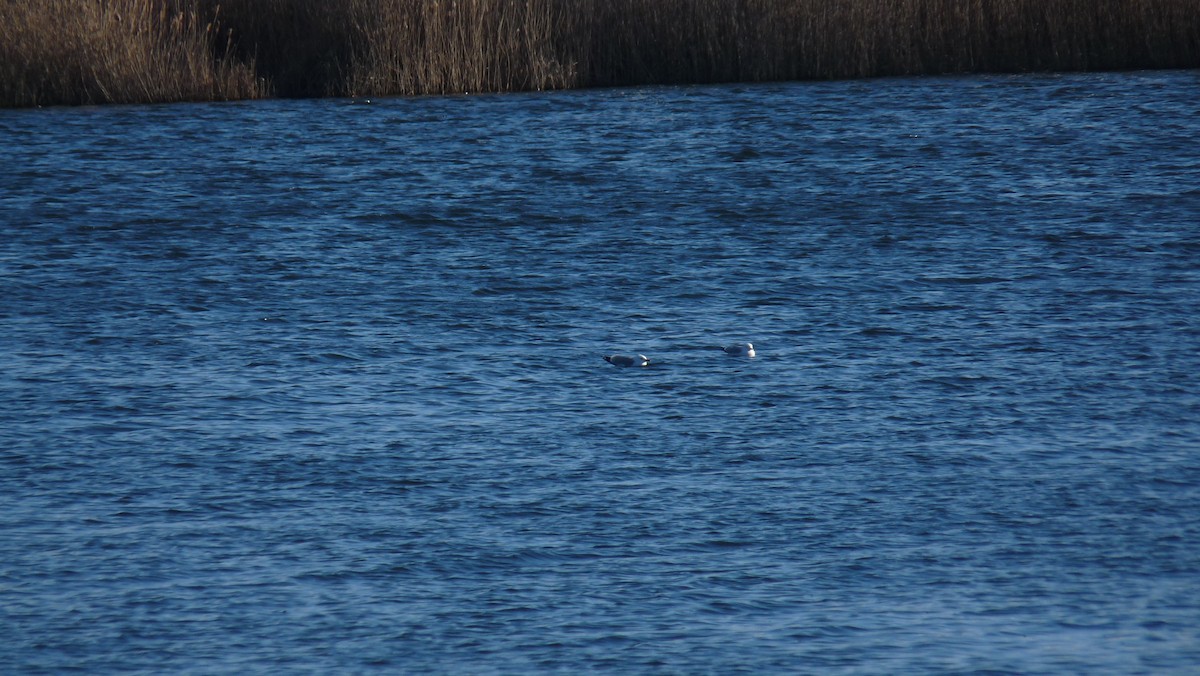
[(740, 349), (626, 360)]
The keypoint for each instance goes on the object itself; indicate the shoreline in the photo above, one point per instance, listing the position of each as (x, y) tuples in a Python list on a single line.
[(368, 99)]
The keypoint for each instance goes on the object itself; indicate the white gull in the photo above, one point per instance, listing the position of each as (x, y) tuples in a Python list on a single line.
[(740, 349), (626, 360)]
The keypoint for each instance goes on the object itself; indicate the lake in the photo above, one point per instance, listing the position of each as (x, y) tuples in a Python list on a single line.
[(318, 385)]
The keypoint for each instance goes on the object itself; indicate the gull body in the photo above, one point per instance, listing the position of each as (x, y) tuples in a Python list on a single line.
[(626, 360), (740, 349)]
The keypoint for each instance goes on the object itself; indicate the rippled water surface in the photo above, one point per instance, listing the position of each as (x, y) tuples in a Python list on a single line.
[(318, 385)]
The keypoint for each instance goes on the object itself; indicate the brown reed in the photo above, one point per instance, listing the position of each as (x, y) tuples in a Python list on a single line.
[(92, 51), (119, 51), (459, 46)]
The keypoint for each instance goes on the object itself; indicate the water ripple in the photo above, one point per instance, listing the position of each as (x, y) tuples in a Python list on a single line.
[(321, 386)]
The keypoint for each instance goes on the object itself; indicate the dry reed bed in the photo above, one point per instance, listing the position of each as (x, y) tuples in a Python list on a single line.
[(81, 51), (98, 51)]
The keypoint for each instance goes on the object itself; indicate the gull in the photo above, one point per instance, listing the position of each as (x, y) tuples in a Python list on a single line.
[(740, 349), (626, 360)]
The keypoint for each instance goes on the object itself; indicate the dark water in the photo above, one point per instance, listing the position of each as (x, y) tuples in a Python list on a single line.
[(317, 385)]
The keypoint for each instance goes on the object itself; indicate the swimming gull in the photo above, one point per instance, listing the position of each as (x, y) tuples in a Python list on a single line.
[(626, 360), (740, 349)]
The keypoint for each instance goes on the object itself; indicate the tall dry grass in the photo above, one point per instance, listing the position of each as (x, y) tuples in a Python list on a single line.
[(412, 47), (646, 41), (108, 51), (377, 47), (81, 51)]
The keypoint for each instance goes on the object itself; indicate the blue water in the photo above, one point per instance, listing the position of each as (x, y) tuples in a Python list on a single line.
[(318, 385)]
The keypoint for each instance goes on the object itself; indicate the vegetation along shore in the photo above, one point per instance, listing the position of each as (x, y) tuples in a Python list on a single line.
[(137, 51)]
